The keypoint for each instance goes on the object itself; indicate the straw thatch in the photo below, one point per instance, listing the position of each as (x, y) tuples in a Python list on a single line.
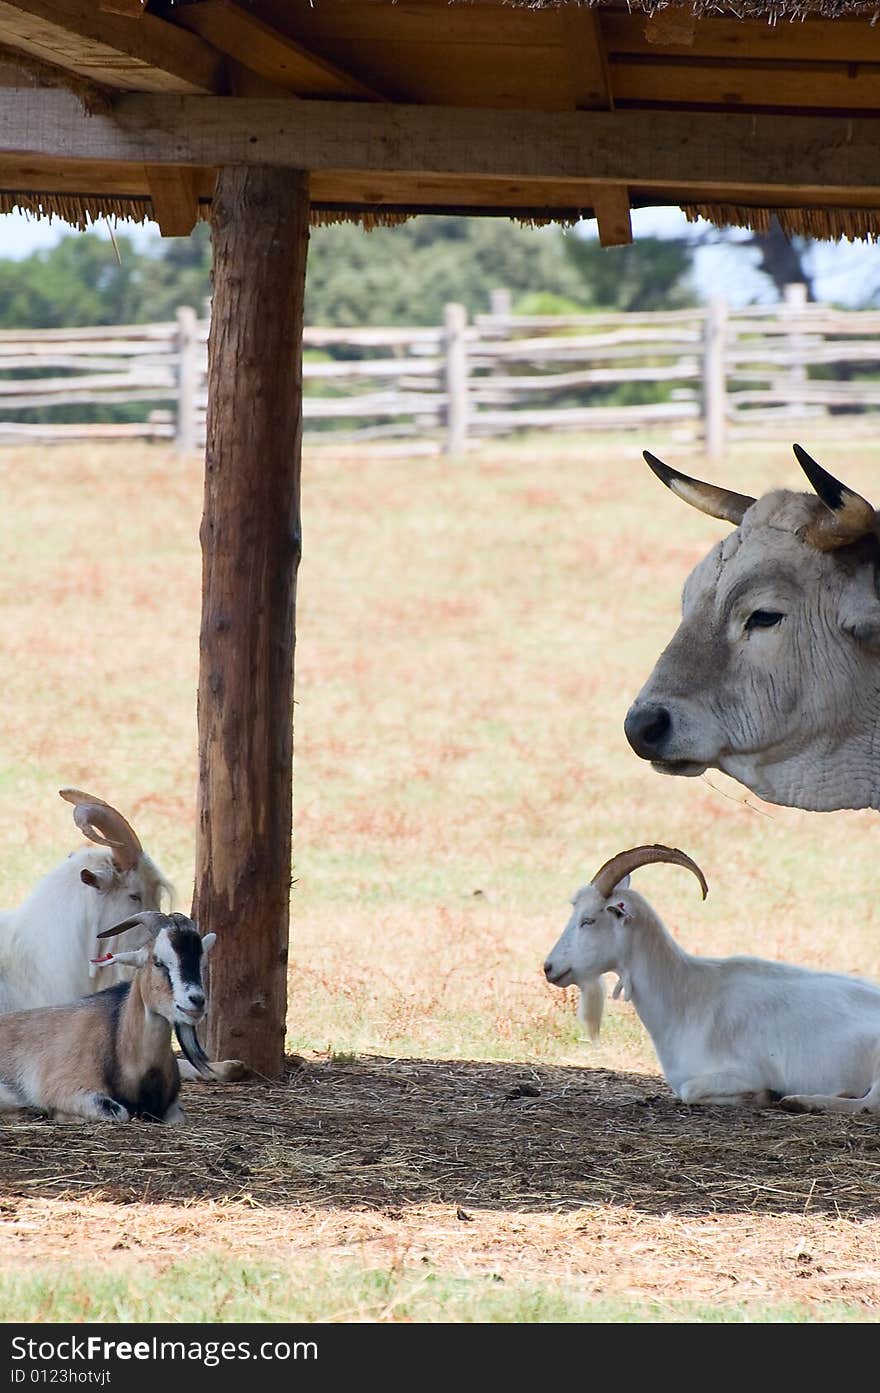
[(823, 224)]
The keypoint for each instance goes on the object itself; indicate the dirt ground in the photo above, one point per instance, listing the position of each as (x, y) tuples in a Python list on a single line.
[(471, 1168)]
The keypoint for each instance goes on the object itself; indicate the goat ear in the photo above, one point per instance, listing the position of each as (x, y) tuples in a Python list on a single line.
[(135, 958), (620, 910), (96, 881), (620, 886), (208, 943)]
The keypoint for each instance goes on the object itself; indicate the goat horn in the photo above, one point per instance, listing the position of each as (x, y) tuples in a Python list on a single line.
[(625, 862), (717, 502), (105, 825), (849, 516), (151, 919)]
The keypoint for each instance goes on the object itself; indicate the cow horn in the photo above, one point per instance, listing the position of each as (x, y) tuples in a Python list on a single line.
[(105, 826), (717, 502), (625, 862), (849, 516)]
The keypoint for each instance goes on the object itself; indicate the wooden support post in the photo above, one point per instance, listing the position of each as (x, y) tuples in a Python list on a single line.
[(455, 323), (714, 380), (187, 379), (250, 548)]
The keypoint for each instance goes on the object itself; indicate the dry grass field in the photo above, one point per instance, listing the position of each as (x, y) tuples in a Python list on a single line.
[(447, 1146)]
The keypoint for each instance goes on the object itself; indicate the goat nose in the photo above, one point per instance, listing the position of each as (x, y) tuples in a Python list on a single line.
[(647, 728), (197, 999), (548, 968)]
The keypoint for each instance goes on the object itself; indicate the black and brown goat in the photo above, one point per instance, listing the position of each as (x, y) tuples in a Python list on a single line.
[(108, 1057)]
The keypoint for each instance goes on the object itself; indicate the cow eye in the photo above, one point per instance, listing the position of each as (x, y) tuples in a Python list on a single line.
[(763, 619)]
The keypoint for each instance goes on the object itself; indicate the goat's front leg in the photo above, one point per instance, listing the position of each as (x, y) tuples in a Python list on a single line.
[(175, 1116), (89, 1106), (10, 1098), (726, 1089), (822, 1102), (226, 1070)]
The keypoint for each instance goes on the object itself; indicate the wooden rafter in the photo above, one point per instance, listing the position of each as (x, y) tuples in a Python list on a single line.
[(120, 51), (273, 55)]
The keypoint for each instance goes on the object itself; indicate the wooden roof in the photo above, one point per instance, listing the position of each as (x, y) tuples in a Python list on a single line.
[(535, 110)]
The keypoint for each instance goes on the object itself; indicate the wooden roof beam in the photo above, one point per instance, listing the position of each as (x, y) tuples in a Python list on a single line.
[(273, 55), (654, 150), (110, 48)]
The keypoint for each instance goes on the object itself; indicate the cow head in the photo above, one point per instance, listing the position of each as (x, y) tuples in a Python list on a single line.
[(773, 675)]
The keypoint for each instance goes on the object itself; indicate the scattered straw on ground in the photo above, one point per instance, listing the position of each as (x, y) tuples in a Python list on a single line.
[(471, 1166)]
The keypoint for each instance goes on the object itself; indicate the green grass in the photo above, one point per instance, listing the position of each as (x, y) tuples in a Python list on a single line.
[(224, 1290)]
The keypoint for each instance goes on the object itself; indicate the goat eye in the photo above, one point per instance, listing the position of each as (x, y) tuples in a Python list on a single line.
[(135, 897), (586, 923), (763, 619)]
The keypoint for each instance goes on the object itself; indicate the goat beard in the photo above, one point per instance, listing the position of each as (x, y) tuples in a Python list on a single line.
[(189, 1043)]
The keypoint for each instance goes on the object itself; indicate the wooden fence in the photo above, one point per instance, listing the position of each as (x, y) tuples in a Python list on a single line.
[(705, 374)]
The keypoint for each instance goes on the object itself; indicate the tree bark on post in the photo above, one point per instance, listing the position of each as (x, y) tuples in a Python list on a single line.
[(250, 537)]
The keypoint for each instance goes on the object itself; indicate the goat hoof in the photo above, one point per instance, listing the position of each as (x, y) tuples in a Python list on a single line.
[(231, 1070), (113, 1111)]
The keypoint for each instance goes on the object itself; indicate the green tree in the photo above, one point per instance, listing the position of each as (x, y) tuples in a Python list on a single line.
[(405, 275), (79, 281), (652, 273)]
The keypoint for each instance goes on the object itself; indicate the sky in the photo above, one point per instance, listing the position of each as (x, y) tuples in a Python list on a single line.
[(844, 270)]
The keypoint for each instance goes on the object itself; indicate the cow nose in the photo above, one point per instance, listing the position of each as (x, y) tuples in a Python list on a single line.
[(647, 728)]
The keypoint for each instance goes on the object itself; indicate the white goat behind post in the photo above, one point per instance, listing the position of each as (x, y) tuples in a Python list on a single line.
[(47, 942), (726, 1030)]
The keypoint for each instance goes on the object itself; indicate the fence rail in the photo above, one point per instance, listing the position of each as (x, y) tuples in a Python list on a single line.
[(708, 374)]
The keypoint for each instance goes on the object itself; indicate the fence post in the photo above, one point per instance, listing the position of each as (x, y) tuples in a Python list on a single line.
[(187, 379), (455, 324), (714, 381), (794, 298), (500, 304)]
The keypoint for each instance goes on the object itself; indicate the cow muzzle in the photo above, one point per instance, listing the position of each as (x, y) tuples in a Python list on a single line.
[(650, 729)]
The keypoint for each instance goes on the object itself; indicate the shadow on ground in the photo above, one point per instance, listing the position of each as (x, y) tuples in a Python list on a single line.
[(387, 1133)]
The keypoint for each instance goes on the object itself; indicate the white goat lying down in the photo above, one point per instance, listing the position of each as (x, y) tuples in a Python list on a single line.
[(49, 945), (108, 1057), (46, 944), (726, 1030)]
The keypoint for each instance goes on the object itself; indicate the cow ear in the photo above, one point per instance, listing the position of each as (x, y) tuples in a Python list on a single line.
[(860, 618)]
